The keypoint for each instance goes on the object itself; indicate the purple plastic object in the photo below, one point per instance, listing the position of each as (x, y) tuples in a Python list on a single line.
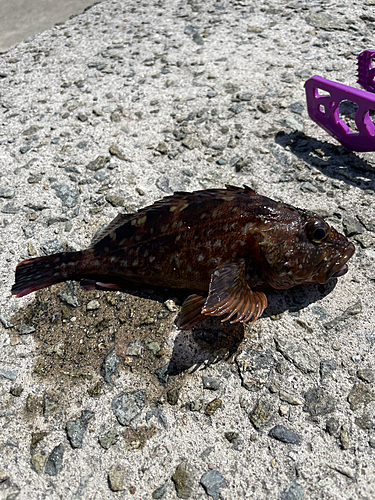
[(323, 108), (366, 73)]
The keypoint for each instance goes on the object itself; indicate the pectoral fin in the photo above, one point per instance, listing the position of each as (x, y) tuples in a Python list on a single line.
[(230, 294), (191, 312)]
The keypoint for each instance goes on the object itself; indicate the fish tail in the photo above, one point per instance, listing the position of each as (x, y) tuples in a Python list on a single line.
[(34, 274)]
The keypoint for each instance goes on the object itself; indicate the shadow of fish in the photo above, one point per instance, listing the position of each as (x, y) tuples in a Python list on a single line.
[(226, 245)]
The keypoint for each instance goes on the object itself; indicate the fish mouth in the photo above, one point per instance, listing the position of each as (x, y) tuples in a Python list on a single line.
[(338, 268)]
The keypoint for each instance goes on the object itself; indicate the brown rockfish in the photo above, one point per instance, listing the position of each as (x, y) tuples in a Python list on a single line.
[(226, 245)]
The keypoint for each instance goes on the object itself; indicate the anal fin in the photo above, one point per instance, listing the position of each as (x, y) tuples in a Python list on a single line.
[(99, 285)]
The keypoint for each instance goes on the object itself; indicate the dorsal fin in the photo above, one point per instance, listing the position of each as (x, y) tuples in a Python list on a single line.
[(245, 189), (118, 221)]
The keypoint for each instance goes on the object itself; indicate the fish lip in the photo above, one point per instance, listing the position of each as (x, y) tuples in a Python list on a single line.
[(339, 267)]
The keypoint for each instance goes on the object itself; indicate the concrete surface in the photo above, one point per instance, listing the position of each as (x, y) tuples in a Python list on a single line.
[(192, 95)]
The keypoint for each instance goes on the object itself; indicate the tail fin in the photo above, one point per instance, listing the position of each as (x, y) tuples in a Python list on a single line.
[(34, 274)]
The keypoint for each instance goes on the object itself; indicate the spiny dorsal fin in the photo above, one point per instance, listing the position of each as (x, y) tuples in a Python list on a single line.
[(118, 221)]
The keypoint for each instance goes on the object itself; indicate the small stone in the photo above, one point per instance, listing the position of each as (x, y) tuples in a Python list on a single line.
[(5, 321), (318, 402), (76, 429), (360, 395), (264, 107), (255, 368), (190, 143), (164, 371), (55, 461), (234, 439), (371, 442), (9, 374), (10, 208), (69, 294), (352, 310), (183, 479), (159, 414), (95, 390), (116, 477), (50, 247), (38, 460), (173, 395), (284, 410), (171, 305), (352, 226), (294, 123), (345, 471), (67, 195), (115, 151), (152, 346), (210, 383), (326, 367), (98, 163), (161, 491), (290, 398), (283, 434), (366, 374), (213, 406), (6, 193), (109, 366), (50, 405), (162, 148), (365, 422), (296, 355), (16, 390), (115, 201), (34, 404), (332, 426), (293, 492), (212, 481), (262, 413), (82, 117), (365, 240), (127, 406), (93, 305), (109, 438), (31, 250), (57, 349), (196, 405), (344, 436)]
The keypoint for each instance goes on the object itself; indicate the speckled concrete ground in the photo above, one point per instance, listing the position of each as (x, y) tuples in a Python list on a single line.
[(182, 96)]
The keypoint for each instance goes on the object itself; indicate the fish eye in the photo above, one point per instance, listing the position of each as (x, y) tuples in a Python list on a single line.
[(317, 231)]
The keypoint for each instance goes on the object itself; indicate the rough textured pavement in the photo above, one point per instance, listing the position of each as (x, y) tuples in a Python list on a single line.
[(101, 395)]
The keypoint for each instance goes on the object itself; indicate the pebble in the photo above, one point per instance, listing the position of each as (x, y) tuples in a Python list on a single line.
[(173, 395), (164, 371), (352, 310), (190, 143), (50, 405), (115, 151), (262, 413), (326, 367), (366, 374), (51, 246), (109, 438), (345, 471), (69, 294), (299, 357), (7, 373), (183, 479), (109, 366), (116, 477), (212, 481), (344, 436), (115, 201), (159, 414), (98, 163), (255, 368), (318, 402), (161, 491), (332, 426), (54, 462), (128, 406), (293, 492), (213, 406), (6, 193), (283, 434), (290, 398), (16, 390), (67, 194), (210, 383), (5, 321), (360, 395), (365, 422), (76, 429), (93, 305)]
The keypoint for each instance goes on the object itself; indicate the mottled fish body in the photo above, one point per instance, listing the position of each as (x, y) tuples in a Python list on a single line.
[(231, 243)]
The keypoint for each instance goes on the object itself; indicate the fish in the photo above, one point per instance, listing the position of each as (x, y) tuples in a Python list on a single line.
[(223, 246)]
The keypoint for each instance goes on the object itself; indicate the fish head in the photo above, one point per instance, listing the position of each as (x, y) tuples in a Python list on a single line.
[(314, 252)]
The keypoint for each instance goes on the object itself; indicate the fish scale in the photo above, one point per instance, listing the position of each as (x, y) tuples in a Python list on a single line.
[(227, 245)]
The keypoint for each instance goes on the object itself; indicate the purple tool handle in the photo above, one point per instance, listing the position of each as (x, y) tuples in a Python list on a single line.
[(366, 73), (324, 110)]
